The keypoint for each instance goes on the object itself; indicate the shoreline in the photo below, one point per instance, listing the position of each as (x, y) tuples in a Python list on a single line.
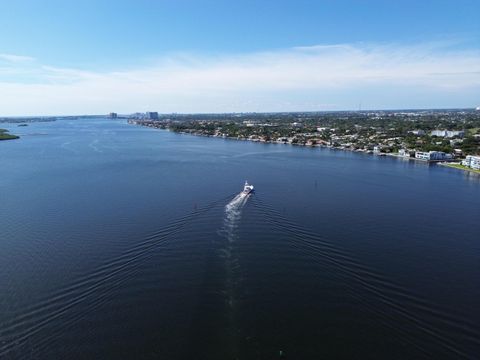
[(460, 167), (370, 152), (5, 135)]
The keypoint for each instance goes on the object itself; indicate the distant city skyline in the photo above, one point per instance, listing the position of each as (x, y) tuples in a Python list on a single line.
[(97, 57)]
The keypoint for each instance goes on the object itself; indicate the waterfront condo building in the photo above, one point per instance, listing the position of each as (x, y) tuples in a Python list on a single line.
[(432, 156), (472, 162)]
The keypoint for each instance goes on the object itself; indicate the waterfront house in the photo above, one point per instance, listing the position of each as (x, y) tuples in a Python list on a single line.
[(404, 152), (457, 152)]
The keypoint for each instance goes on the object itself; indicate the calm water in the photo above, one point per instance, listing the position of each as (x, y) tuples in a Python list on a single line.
[(126, 242)]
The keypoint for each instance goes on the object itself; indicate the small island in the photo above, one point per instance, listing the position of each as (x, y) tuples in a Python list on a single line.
[(4, 135)]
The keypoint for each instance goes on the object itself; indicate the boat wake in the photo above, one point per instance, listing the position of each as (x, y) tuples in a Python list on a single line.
[(219, 295), (230, 265), (233, 214), (231, 221)]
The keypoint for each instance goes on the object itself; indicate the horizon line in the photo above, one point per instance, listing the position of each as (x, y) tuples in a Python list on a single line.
[(243, 112)]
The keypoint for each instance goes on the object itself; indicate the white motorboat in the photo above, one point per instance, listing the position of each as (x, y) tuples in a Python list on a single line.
[(247, 189)]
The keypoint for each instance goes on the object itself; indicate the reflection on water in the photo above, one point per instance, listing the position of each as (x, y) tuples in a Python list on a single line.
[(471, 176)]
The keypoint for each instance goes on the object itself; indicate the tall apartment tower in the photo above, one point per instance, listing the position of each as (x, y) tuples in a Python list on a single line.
[(152, 115)]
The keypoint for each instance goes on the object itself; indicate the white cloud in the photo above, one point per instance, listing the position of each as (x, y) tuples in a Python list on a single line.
[(301, 78), (15, 58)]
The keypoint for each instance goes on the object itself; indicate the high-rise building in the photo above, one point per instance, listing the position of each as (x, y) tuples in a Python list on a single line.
[(113, 115), (152, 115)]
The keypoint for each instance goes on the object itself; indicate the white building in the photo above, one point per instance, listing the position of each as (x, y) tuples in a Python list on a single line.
[(472, 162), (417, 132), (432, 156), (404, 152), (448, 133), (454, 142), (249, 123)]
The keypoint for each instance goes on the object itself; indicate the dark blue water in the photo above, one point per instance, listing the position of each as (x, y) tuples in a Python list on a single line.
[(125, 242)]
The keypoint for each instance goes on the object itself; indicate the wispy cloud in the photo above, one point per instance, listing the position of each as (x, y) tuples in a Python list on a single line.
[(15, 58), (299, 78)]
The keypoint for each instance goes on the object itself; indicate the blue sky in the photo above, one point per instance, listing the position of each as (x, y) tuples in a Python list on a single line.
[(61, 57)]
